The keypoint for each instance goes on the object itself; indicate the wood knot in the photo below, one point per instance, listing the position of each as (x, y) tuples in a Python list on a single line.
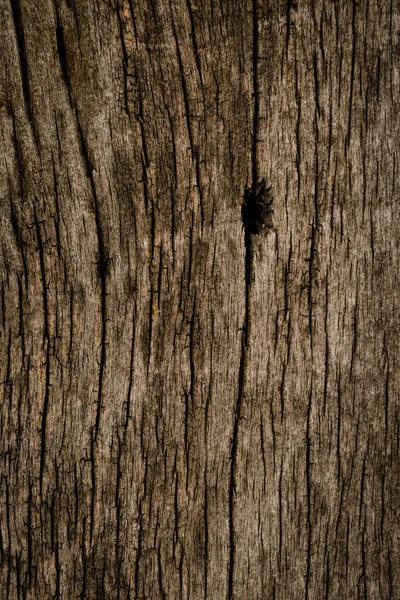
[(257, 211)]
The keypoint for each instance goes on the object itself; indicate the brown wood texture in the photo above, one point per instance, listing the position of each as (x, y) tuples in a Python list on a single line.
[(190, 406)]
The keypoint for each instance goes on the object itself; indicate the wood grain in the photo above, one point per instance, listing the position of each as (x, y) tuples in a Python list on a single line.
[(192, 407)]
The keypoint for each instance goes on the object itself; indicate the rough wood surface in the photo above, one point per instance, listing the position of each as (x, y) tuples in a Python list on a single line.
[(193, 406)]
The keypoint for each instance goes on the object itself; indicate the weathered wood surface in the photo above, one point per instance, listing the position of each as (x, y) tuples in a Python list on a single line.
[(189, 408)]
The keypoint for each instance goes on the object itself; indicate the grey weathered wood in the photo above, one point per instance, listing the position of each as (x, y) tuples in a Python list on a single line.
[(190, 409)]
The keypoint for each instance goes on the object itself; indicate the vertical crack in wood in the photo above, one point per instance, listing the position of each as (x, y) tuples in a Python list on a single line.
[(248, 242), (118, 549), (62, 55), (139, 547), (102, 270), (185, 94), (103, 264), (20, 163), (308, 486), (353, 63), (256, 93), (24, 68), (93, 484), (298, 136), (131, 369), (184, 86), (56, 217), (46, 340), (19, 30), (125, 60)]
